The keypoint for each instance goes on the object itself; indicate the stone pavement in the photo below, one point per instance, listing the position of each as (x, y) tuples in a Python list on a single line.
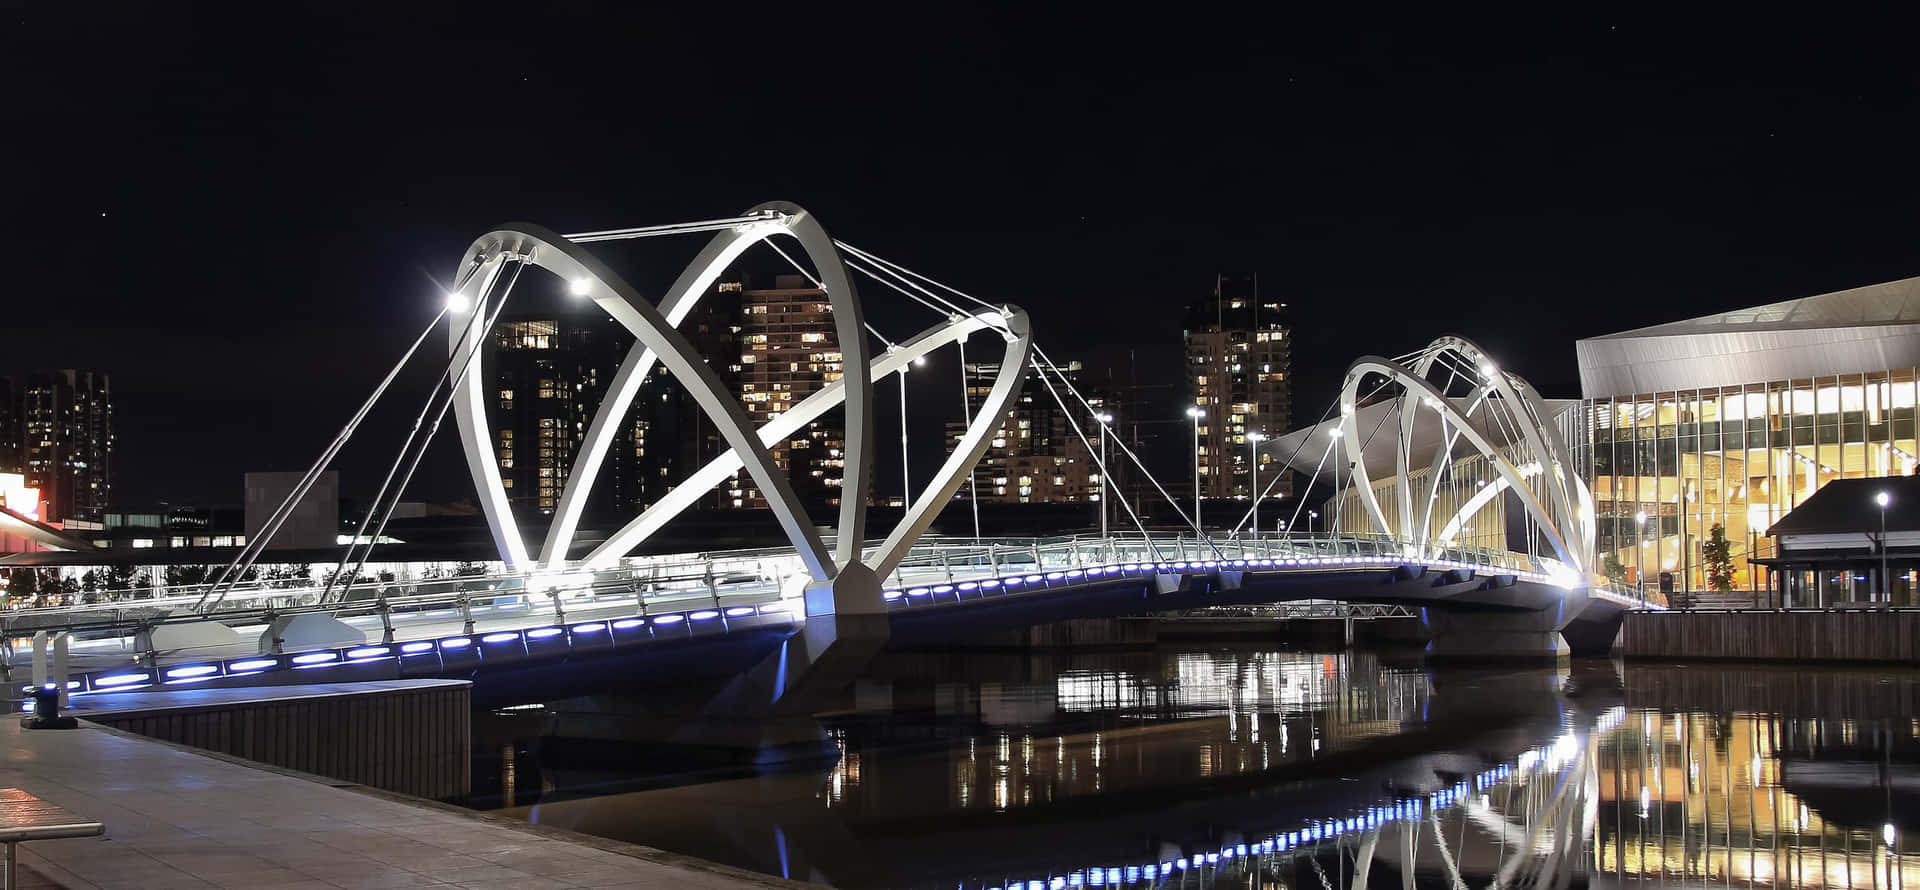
[(177, 818)]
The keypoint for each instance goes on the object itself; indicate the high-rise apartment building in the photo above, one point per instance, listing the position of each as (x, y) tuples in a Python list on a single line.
[(1034, 456), (11, 460), (547, 375), (1239, 358), (65, 430), (788, 351)]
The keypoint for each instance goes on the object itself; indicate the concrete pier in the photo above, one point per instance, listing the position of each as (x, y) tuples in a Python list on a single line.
[(178, 818)]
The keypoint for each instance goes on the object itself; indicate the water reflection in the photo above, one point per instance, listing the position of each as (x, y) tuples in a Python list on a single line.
[(1279, 769)]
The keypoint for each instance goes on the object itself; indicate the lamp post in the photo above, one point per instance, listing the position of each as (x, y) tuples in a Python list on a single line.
[(1311, 516), (1106, 482), (1253, 453), (1196, 414), (1886, 582), (1640, 551)]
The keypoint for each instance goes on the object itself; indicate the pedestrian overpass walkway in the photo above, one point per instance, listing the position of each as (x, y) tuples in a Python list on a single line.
[(436, 626)]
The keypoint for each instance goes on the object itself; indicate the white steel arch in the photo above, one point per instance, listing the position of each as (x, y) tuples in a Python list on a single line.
[(657, 339), (1565, 519)]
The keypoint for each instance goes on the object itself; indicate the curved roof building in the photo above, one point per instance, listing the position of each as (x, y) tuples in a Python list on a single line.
[(1866, 328)]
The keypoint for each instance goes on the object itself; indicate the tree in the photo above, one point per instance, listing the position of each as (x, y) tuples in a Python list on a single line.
[(21, 584), (120, 576), (1615, 570), (1717, 554), (179, 576)]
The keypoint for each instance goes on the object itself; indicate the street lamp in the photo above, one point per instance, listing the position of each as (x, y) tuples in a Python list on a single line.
[(1886, 583), (1106, 483), (1196, 414), (1253, 452), (1311, 516), (1640, 550)]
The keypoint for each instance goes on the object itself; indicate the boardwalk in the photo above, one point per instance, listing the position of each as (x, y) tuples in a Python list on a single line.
[(179, 819)]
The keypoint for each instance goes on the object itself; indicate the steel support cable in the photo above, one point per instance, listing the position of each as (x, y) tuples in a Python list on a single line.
[(472, 360), (899, 269), (896, 269), (453, 390), (817, 283), (1121, 443), (938, 309), (453, 381), (1148, 538), (244, 561), (433, 395), (685, 228), (1342, 506), (1294, 520), (903, 270), (234, 569), (1278, 477)]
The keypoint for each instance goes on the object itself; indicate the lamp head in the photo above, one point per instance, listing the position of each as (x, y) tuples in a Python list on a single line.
[(1883, 499)]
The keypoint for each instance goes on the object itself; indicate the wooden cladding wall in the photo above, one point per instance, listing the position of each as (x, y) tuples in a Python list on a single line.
[(1866, 635), (411, 740)]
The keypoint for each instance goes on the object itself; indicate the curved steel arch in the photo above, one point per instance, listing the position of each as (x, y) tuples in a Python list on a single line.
[(657, 339), (928, 503), (1567, 524)]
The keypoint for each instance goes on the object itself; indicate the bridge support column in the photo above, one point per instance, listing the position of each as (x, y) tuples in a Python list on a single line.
[(771, 706), (1494, 636)]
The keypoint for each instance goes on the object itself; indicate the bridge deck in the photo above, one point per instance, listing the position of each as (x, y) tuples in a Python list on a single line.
[(513, 624)]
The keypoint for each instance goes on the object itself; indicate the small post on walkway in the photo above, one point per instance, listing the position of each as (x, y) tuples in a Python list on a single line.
[(59, 678), (39, 659)]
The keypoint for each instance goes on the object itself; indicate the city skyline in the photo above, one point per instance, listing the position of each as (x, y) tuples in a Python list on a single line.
[(1436, 174)]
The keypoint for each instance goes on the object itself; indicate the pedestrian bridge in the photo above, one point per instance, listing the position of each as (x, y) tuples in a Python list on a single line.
[(1469, 446), (439, 627)]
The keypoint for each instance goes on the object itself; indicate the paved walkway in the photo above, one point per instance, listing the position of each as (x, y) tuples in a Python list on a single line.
[(177, 818)]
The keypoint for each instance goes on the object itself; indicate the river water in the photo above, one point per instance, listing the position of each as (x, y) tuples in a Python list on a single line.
[(1261, 767)]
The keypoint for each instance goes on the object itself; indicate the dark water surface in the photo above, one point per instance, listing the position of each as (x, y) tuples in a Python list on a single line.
[(1239, 767)]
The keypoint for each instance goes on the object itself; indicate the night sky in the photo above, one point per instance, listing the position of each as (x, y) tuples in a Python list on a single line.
[(239, 210)]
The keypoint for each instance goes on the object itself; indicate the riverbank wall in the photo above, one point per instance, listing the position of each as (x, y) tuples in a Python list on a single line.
[(1875, 636), (411, 737)]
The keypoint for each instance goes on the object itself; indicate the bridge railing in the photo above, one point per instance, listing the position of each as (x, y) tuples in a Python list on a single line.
[(715, 576)]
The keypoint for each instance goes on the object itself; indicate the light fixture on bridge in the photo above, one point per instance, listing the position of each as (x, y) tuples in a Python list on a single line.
[(579, 287), (456, 302), (919, 361), (1196, 413)]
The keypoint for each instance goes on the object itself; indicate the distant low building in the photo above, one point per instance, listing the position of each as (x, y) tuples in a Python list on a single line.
[(313, 524)]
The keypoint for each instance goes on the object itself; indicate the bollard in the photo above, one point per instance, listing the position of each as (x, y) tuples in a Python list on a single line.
[(59, 677), (39, 659), (45, 711)]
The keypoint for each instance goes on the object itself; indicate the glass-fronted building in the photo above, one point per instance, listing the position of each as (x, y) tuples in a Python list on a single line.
[(1732, 420)]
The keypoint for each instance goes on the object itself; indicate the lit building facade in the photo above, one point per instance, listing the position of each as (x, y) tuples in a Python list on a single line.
[(1034, 456), (788, 351), (547, 375), (10, 436), (1734, 419), (1239, 362), (65, 428)]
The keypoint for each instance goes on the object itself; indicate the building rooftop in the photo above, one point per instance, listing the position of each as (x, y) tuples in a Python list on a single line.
[(1847, 505), (1893, 302), (1865, 329)]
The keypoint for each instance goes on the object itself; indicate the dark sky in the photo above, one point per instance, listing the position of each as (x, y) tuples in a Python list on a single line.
[(236, 209)]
